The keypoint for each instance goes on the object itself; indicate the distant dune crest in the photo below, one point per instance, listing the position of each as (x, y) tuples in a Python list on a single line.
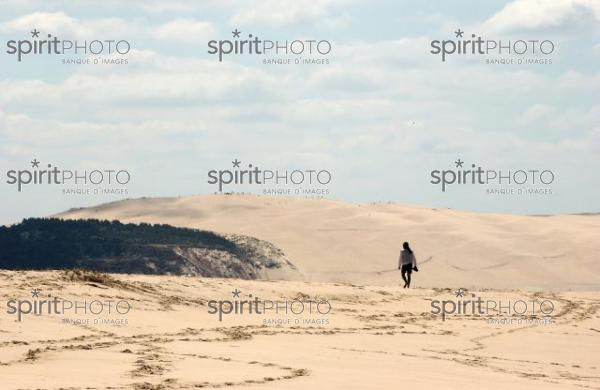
[(336, 241)]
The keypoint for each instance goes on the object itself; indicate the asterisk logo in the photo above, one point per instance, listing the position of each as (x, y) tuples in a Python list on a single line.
[(35, 293), (35, 163), (459, 163), (35, 33), (236, 33), (459, 33), (236, 293), (460, 292), (236, 163)]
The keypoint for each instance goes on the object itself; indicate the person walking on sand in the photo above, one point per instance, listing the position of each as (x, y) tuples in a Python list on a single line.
[(407, 264)]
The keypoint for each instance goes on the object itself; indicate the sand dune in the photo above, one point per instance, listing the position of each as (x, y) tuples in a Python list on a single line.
[(374, 338), (335, 241), (183, 332)]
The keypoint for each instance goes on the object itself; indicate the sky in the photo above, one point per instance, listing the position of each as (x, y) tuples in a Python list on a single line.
[(380, 115)]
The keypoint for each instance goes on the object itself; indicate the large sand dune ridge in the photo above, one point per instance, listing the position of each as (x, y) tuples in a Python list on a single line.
[(336, 241)]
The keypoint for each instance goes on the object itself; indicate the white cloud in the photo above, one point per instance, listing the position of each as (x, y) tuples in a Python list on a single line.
[(46, 20), (286, 12), (532, 14), (163, 6), (60, 23), (185, 30), (535, 113)]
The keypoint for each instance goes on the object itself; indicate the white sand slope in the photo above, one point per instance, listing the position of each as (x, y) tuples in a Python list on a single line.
[(374, 338), (335, 241)]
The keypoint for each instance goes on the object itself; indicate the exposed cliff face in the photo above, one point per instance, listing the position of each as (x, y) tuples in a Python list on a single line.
[(214, 263), (257, 259), (195, 261), (262, 253)]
